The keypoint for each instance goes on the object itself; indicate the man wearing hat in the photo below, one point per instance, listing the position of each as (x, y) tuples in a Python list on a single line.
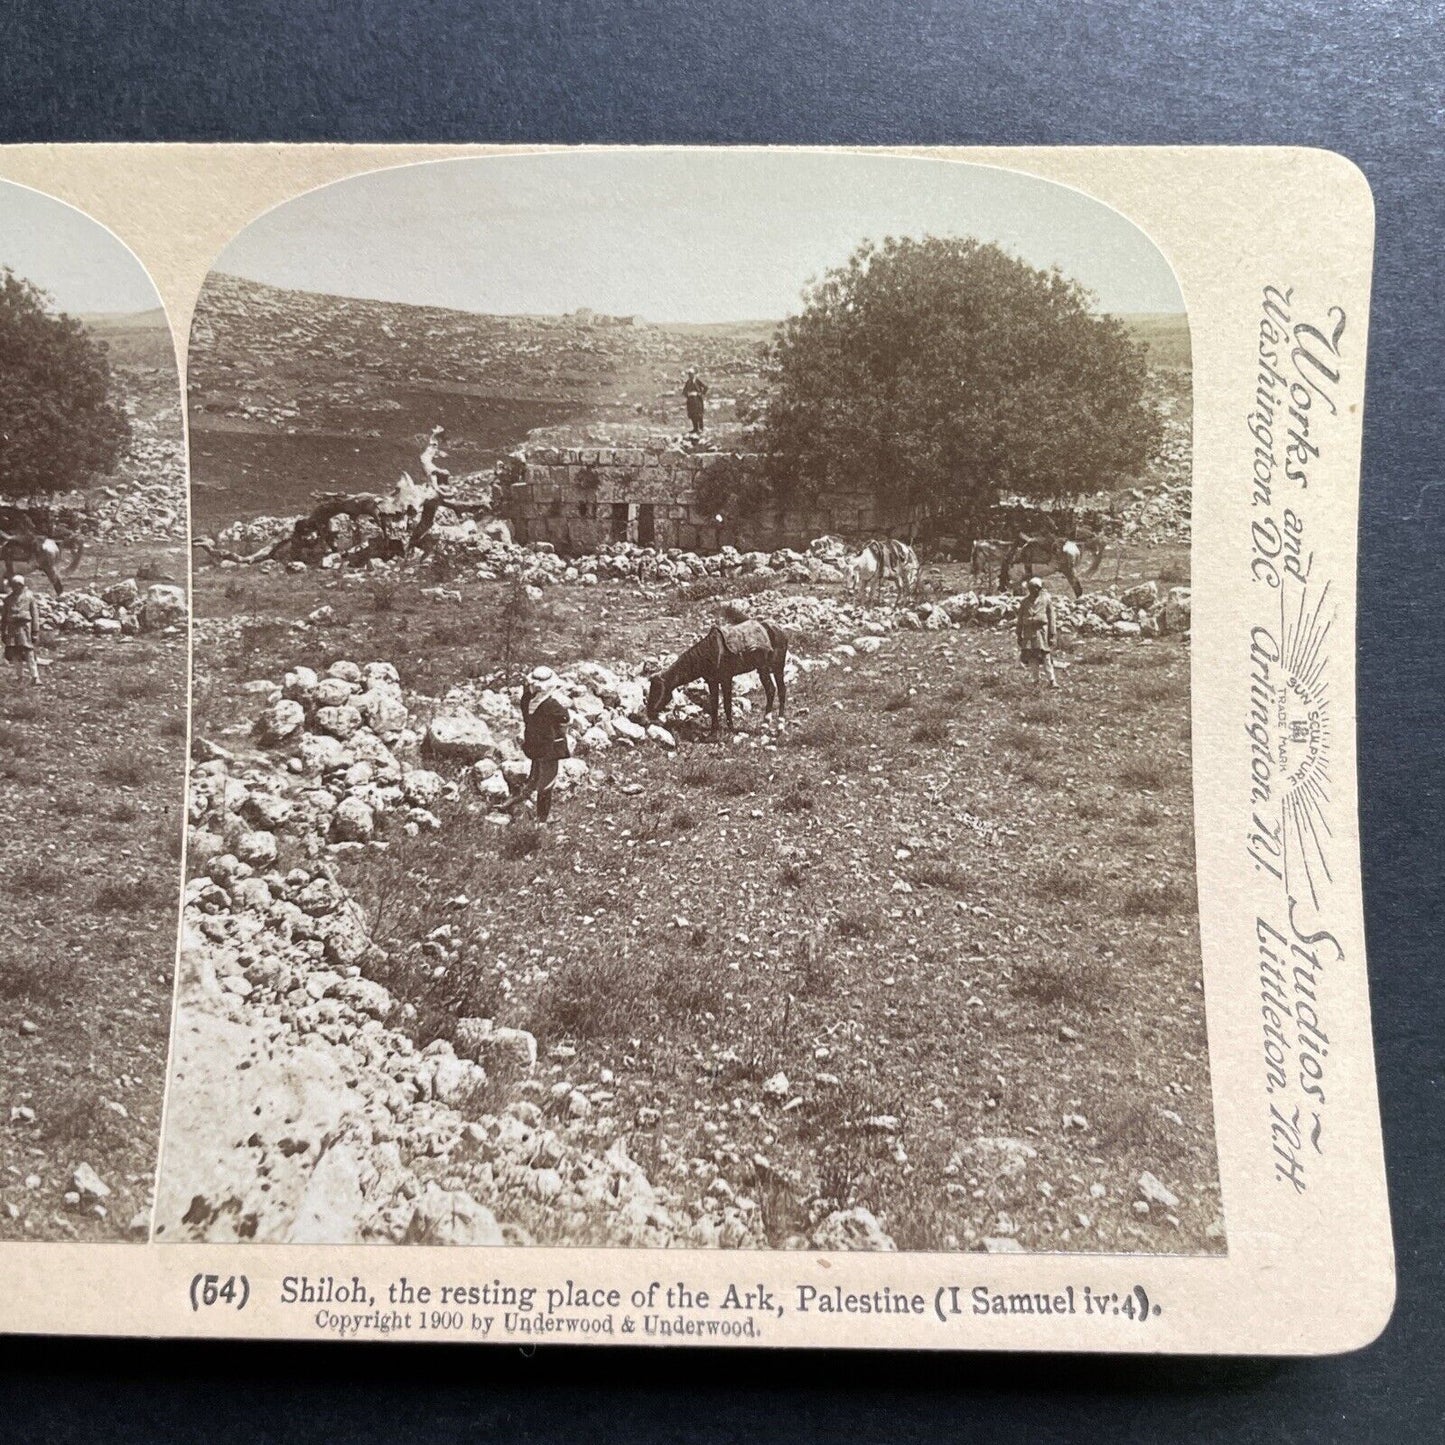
[(1038, 631), (20, 628), (545, 715), (694, 388)]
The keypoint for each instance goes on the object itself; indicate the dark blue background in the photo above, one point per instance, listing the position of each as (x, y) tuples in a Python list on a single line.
[(1364, 79)]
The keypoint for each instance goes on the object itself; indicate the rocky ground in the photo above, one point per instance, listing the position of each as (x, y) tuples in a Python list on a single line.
[(92, 784), (145, 501), (920, 969), (92, 769)]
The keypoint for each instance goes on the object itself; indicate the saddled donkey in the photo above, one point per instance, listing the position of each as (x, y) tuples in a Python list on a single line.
[(882, 560), (1053, 554), (721, 655), (26, 550)]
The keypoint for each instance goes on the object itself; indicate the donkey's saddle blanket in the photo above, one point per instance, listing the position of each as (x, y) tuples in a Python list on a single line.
[(743, 637)]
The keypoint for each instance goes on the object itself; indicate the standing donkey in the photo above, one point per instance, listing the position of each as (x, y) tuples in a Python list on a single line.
[(881, 561)]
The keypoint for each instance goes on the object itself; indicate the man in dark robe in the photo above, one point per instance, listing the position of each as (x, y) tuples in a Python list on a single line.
[(694, 389), (545, 715), (1038, 630)]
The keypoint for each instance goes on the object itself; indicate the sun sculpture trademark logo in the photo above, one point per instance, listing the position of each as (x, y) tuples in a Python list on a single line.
[(1302, 733)]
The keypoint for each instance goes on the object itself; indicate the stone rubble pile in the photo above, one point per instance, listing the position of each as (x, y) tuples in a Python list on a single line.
[(311, 1116), (146, 499), (538, 563), (310, 1113), (1141, 611), (122, 610)]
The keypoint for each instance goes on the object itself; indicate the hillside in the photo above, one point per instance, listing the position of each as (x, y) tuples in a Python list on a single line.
[(1165, 333), (134, 338), (296, 392)]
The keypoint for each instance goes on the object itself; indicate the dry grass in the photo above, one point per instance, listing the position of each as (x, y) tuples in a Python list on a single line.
[(93, 784), (695, 950), (940, 873), (124, 768), (930, 731)]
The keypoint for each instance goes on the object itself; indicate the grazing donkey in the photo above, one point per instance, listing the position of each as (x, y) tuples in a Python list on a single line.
[(718, 657)]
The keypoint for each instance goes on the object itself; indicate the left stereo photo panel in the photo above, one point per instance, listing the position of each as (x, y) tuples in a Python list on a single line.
[(93, 722)]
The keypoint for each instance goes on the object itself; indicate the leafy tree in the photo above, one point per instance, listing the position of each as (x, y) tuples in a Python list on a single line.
[(60, 425), (933, 373)]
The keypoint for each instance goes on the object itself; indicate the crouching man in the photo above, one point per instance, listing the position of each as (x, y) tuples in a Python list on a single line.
[(545, 715)]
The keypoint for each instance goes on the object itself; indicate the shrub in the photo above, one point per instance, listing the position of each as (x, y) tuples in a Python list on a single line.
[(134, 895), (849, 1153), (37, 875), (857, 921), (1145, 773), (76, 1116), (813, 967), (1039, 774), (1059, 883), (798, 799), (1051, 981), (792, 873), (939, 873), (704, 589), (1043, 711), (930, 731), (1158, 900), (690, 984), (837, 735), (1131, 1129), (1169, 689), (600, 998), (123, 768), (1023, 740), (522, 839)]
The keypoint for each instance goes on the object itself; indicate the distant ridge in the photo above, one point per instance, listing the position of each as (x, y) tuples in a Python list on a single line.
[(1166, 333), (152, 320)]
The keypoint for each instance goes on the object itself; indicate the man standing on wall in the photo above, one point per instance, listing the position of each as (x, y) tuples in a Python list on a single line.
[(694, 389)]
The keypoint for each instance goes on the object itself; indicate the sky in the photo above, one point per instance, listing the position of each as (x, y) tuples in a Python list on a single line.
[(703, 236), (80, 263)]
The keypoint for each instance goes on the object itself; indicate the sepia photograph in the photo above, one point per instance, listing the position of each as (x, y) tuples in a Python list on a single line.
[(691, 722), (92, 722)]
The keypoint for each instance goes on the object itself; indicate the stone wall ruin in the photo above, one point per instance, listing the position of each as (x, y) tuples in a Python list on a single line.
[(580, 498)]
